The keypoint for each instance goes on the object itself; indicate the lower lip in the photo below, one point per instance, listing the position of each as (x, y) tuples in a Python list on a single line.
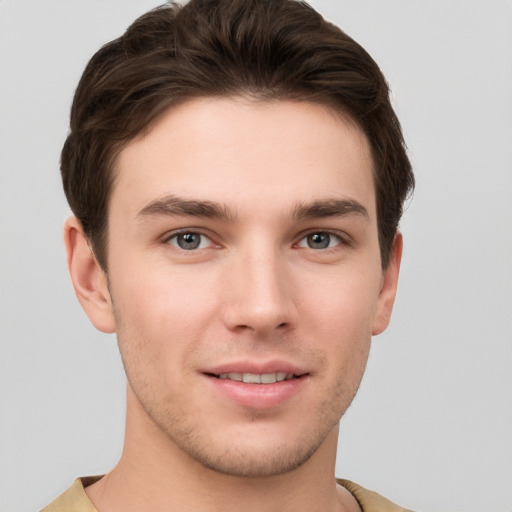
[(258, 396)]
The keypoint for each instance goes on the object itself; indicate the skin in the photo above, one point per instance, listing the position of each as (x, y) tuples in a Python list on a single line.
[(260, 289)]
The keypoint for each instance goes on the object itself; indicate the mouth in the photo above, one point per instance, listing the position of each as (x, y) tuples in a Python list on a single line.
[(257, 386), (257, 378)]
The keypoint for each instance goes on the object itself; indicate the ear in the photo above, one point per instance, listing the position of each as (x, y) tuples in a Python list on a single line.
[(389, 285), (89, 279)]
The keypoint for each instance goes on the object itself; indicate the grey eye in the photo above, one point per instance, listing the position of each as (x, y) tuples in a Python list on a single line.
[(320, 240), (189, 241)]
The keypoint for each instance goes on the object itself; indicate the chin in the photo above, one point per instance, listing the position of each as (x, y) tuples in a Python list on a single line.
[(260, 452), (251, 463)]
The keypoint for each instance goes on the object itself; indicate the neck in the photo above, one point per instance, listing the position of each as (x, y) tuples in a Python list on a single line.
[(154, 474)]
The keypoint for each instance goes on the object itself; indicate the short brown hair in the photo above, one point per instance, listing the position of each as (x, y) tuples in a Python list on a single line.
[(267, 49)]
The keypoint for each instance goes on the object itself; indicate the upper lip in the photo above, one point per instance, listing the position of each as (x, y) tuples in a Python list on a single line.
[(258, 368)]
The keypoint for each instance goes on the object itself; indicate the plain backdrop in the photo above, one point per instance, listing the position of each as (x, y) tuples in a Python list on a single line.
[(431, 427)]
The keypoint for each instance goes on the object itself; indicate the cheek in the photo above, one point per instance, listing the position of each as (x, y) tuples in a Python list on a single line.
[(161, 313), (160, 292), (340, 319), (343, 302)]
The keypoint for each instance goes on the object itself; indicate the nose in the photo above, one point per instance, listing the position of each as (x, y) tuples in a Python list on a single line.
[(259, 294)]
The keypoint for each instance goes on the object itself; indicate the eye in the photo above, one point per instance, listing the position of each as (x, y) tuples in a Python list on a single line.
[(189, 241), (320, 240)]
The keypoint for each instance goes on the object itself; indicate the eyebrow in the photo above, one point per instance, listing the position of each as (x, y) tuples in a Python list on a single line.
[(173, 205), (329, 208)]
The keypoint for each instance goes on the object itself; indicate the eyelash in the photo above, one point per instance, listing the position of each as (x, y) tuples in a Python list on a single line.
[(341, 240), (176, 234)]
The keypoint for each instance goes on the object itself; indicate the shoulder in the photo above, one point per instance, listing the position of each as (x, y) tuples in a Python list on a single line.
[(370, 501), (74, 499)]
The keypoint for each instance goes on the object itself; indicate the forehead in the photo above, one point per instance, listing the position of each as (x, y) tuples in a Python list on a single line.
[(237, 149)]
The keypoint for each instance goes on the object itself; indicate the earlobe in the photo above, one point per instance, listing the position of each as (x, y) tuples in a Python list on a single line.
[(389, 287), (89, 279)]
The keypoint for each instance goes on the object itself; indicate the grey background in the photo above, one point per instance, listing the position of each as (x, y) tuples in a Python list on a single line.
[(432, 425)]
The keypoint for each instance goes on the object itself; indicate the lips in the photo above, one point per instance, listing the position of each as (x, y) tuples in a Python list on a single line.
[(257, 378), (257, 386), (256, 373)]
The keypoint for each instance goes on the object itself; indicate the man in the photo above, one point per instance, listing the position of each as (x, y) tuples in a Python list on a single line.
[(237, 176)]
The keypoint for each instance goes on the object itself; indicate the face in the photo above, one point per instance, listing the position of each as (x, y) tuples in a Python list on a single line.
[(245, 278)]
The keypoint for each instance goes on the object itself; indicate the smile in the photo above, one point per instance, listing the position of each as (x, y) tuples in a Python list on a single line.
[(257, 384), (257, 378)]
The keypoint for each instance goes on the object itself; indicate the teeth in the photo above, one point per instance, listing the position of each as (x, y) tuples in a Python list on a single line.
[(268, 378), (251, 378), (255, 378)]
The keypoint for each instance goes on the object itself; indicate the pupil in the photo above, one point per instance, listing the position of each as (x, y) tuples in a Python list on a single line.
[(319, 240), (189, 241)]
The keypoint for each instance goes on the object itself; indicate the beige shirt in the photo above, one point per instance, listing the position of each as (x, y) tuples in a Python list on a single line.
[(75, 499)]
